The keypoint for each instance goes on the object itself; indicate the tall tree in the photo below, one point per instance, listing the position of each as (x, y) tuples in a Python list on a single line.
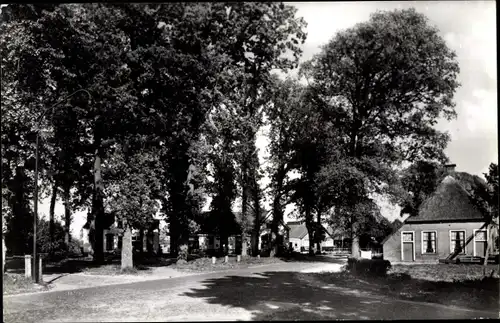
[(419, 181), (221, 136), (384, 84), (284, 118), (130, 193), (264, 33)]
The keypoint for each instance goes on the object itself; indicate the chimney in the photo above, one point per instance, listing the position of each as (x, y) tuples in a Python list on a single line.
[(450, 168)]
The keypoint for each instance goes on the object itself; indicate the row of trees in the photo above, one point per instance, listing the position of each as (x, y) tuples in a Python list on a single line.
[(156, 107), (136, 87)]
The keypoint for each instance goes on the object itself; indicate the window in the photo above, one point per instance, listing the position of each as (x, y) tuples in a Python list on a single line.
[(407, 236), (457, 241), (429, 242), (480, 235)]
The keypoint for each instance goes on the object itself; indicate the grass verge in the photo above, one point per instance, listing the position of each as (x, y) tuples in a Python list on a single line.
[(441, 284), (115, 270), (17, 283), (206, 265)]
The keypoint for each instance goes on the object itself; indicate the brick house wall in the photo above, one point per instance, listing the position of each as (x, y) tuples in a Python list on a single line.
[(392, 246)]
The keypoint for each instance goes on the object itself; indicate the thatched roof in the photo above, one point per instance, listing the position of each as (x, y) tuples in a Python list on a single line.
[(451, 201), (297, 231)]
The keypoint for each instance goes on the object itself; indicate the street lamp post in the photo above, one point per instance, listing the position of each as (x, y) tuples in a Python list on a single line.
[(35, 272), (36, 275)]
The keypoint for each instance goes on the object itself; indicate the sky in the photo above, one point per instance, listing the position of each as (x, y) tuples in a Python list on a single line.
[(468, 27)]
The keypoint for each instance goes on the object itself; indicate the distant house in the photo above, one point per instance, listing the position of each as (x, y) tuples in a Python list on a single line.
[(447, 225), (207, 240), (265, 235), (143, 240), (299, 238)]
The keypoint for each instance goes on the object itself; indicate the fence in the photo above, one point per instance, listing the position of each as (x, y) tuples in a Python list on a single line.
[(371, 253), (336, 251)]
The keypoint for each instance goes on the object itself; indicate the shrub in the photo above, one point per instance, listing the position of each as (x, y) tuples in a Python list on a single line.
[(183, 252), (128, 271), (374, 267)]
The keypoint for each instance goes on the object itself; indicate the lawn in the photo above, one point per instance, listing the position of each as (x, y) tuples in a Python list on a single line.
[(195, 264), (445, 272), (205, 264), (142, 265), (459, 285), (17, 283)]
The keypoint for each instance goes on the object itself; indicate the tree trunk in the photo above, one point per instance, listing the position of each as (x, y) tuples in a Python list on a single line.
[(98, 210), (310, 230), (488, 245), (355, 253), (67, 217), (180, 212), (244, 215), (277, 218), (140, 243), (174, 236), (257, 219), (4, 251), (127, 253), (52, 213), (244, 246), (354, 243), (254, 243), (318, 242)]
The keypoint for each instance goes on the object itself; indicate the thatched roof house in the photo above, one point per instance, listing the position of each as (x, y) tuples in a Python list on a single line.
[(452, 201), (448, 224)]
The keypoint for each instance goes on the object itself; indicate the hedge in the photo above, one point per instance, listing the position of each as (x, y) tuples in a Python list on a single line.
[(376, 267)]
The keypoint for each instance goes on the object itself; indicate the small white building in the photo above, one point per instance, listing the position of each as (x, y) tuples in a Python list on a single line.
[(299, 238)]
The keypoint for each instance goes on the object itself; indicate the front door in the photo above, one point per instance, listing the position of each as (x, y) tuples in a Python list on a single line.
[(407, 246), (480, 239)]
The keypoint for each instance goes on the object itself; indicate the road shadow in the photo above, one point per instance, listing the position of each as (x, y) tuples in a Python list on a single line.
[(290, 296), (475, 294), (55, 278)]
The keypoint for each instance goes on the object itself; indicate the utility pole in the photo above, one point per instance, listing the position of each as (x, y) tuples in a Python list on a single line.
[(35, 219)]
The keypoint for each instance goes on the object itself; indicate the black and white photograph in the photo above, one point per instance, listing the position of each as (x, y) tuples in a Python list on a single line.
[(249, 161)]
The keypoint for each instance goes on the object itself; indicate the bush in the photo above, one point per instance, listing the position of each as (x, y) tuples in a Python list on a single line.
[(374, 267), (183, 252)]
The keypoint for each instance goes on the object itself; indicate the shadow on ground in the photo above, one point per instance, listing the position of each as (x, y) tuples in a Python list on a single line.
[(297, 296)]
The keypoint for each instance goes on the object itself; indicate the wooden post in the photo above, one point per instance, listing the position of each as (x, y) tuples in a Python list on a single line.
[(40, 271), (226, 259), (258, 256), (27, 266), (238, 258), (4, 251), (213, 260)]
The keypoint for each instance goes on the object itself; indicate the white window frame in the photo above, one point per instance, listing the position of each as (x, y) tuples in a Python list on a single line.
[(422, 242), (452, 248), (487, 235), (413, 242)]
